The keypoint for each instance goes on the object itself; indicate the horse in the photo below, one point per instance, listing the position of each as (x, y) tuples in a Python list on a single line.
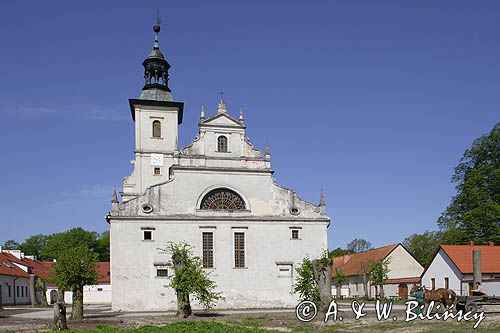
[(445, 296)]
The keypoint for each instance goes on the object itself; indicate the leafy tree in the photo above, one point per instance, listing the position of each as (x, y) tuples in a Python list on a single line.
[(33, 246), (75, 268), (102, 247), (339, 279), (10, 245), (423, 246), (338, 252), (190, 279), (59, 242), (474, 212), (306, 283), (379, 271), (359, 245)]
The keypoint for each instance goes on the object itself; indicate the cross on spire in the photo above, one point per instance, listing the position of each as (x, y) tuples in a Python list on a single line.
[(221, 93)]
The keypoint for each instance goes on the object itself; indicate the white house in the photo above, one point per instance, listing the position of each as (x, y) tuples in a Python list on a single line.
[(14, 282), (404, 271), (218, 194), (452, 268)]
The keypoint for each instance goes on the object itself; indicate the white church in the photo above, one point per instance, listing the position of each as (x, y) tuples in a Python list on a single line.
[(218, 194)]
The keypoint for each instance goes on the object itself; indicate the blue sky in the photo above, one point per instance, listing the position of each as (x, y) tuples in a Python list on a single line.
[(373, 101)]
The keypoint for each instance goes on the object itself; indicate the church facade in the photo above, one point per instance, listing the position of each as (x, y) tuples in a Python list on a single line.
[(218, 194)]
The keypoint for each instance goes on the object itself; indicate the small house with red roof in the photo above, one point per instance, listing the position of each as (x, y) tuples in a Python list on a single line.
[(14, 282), (451, 267), (404, 271), (99, 293)]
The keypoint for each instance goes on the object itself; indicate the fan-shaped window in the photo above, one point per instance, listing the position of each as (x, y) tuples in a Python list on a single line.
[(222, 199), (222, 143), (156, 129)]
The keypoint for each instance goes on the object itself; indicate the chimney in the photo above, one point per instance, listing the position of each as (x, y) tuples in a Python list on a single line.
[(476, 266), (490, 243), (471, 243)]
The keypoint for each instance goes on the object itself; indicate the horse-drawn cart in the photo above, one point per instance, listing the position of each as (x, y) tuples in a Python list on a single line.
[(478, 303)]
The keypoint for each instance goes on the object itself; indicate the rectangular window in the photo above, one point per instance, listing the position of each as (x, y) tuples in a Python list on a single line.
[(239, 249), (446, 283), (433, 283), (10, 292), (295, 234), (157, 171), (148, 235), (26, 291), (162, 272), (208, 249)]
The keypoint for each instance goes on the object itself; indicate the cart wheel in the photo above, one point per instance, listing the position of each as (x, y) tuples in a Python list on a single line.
[(471, 307)]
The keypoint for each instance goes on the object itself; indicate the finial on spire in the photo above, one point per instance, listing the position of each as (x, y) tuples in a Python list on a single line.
[(157, 28), (114, 197), (322, 201), (268, 149), (241, 113), (221, 108), (202, 113)]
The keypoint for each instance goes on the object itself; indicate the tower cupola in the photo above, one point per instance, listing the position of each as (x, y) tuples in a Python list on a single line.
[(156, 72)]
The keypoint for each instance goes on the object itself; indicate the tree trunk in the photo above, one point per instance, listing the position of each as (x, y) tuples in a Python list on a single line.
[(60, 317), (33, 290), (381, 291), (339, 291), (60, 296), (43, 289), (323, 277), (365, 280), (77, 309), (183, 304)]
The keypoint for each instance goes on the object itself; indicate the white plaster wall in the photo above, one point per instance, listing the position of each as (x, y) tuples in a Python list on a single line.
[(442, 267), (96, 294), (403, 265), (14, 282), (136, 287)]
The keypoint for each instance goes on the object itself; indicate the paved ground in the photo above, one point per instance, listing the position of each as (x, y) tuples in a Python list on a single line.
[(25, 318)]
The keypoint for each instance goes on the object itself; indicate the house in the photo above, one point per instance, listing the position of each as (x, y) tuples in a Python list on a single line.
[(404, 271), (14, 282), (217, 194), (99, 293), (451, 267)]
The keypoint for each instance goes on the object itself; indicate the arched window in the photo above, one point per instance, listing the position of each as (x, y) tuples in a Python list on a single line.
[(222, 199), (156, 129), (222, 143)]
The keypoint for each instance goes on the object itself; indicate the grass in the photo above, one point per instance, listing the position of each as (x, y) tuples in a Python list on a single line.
[(180, 327)]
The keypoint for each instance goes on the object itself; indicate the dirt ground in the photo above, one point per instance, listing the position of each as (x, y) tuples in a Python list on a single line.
[(26, 319)]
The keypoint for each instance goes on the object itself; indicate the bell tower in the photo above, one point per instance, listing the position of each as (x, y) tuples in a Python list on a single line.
[(156, 116)]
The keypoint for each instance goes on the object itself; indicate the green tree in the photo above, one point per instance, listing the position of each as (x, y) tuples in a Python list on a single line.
[(423, 246), (10, 245), (339, 279), (338, 252), (59, 242), (474, 212), (359, 245), (379, 271), (190, 279), (75, 268), (102, 246), (33, 246), (305, 284)]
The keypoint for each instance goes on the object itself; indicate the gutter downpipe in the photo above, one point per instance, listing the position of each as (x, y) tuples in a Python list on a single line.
[(14, 289)]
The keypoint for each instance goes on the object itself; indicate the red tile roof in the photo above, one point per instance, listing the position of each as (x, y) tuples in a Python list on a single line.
[(461, 255), (43, 269), (7, 267), (350, 264), (104, 272)]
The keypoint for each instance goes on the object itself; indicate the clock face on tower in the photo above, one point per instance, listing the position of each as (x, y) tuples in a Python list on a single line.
[(156, 159)]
